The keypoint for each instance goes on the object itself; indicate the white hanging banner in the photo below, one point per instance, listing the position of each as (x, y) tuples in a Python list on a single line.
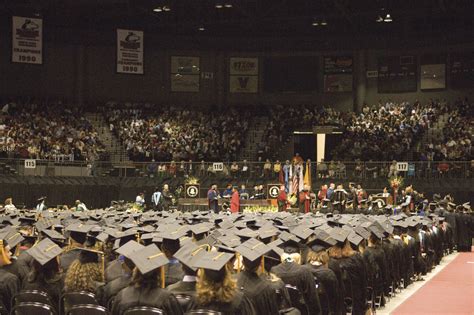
[(130, 51), (27, 40)]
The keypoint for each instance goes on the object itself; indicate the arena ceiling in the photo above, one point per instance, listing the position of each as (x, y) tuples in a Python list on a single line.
[(254, 18)]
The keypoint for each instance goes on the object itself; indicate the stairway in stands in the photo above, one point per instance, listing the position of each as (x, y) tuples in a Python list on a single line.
[(118, 154), (254, 137), (435, 132)]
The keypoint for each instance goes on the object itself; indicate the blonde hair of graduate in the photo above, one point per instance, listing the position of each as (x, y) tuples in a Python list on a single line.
[(4, 259), (321, 257), (83, 277), (209, 291)]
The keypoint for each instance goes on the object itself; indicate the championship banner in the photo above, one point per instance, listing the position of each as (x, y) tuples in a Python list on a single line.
[(243, 84), (433, 77), (338, 74), (243, 75), (130, 51), (185, 74), (27, 40)]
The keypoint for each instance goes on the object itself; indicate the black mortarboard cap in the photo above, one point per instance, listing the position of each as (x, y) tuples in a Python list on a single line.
[(149, 258), (252, 249), (44, 251), (214, 261)]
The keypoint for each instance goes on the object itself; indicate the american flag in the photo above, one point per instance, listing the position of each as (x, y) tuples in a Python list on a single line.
[(294, 184)]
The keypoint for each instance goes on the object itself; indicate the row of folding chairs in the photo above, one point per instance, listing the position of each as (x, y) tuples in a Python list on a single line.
[(35, 302)]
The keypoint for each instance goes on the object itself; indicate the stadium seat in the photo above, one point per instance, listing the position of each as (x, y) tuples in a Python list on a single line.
[(87, 309), (31, 296), (144, 310), (184, 301), (203, 312), (30, 308), (68, 300)]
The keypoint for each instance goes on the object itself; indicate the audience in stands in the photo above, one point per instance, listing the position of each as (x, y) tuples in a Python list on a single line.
[(48, 130), (177, 134)]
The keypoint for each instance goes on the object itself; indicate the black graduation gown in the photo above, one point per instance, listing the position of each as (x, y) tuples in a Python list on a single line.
[(356, 282), (67, 258), (284, 300), (334, 266), (380, 276), (330, 287), (9, 286), (53, 287), (240, 305), (112, 288), (173, 273), (158, 297), (113, 270), (181, 287), (16, 269), (259, 291), (302, 278)]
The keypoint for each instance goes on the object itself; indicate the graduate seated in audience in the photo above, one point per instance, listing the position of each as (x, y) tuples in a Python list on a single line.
[(144, 289), (9, 283), (85, 273), (46, 275), (216, 290)]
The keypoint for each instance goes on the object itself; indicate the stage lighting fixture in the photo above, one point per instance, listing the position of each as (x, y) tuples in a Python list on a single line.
[(324, 23), (228, 5), (379, 19), (388, 18), (166, 8), (158, 9), (315, 23), (201, 28), (219, 6)]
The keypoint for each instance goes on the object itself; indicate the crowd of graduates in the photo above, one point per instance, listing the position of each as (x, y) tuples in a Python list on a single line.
[(232, 263)]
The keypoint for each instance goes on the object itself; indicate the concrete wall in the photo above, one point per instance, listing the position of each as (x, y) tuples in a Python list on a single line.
[(82, 68)]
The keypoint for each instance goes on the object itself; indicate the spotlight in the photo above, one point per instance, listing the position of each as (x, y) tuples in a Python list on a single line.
[(158, 9), (201, 28), (324, 23), (315, 23), (388, 18), (166, 8), (219, 6), (379, 19), (228, 5)]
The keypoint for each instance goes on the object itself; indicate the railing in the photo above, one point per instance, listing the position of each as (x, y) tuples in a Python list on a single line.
[(244, 170)]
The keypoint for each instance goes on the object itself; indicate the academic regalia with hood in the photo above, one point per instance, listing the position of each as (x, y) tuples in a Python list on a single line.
[(302, 278), (9, 287), (259, 291), (328, 280), (354, 268), (146, 260)]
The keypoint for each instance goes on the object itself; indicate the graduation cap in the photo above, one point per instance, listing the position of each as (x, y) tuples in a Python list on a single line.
[(200, 228), (324, 236), (252, 249), (11, 237), (376, 229), (355, 238), (149, 259), (44, 251), (267, 232), (339, 234), (54, 235), (362, 232), (213, 261), (302, 232), (78, 232), (189, 253), (230, 240), (246, 233), (87, 255), (129, 248)]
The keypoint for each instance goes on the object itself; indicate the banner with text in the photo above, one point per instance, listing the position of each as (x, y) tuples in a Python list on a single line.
[(243, 75), (338, 74), (433, 77), (27, 40), (130, 51), (185, 74)]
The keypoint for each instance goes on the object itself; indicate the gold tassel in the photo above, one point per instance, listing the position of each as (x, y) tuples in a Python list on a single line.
[(163, 277)]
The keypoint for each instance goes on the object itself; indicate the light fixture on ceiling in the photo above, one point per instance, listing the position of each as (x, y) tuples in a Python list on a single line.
[(219, 6), (315, 23), (379, 19), (228, 5), (324, 23), (201, 28), (158, 9), (388, 18), (166, 8)]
